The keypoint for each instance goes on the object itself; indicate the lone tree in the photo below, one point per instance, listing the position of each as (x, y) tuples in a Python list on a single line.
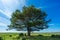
[(29, 19)]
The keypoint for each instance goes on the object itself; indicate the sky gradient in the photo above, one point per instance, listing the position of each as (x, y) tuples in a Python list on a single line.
[(51, 7)]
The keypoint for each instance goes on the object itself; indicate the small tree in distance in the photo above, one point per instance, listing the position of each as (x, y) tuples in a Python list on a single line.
[(29, 19)]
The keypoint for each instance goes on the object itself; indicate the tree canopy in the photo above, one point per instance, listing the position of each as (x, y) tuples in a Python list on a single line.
[(29, 19)]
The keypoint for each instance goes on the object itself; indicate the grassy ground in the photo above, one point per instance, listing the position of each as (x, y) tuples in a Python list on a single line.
[(43, 38), (35, 36)]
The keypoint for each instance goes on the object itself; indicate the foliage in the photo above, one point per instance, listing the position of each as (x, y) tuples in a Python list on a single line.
[(55, 36), (21, 34), (40, 35), (10, 35), (1, 38), (30, 19)]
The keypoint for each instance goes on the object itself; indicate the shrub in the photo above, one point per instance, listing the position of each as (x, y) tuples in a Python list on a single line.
[(57, 36), (40, 35), (25, 34), (52, 35), (21, 34), (18, 37), (10, 35), (1, 38)]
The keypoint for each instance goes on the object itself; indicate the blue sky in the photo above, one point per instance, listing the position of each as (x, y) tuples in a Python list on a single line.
[(51, 7)]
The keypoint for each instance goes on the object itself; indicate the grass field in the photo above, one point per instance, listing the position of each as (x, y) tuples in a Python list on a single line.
[(34, 36)]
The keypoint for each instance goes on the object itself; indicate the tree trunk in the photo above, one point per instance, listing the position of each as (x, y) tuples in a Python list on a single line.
[(28, 31)]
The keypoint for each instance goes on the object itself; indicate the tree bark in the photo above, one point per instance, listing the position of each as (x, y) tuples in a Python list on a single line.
[(28, 31)]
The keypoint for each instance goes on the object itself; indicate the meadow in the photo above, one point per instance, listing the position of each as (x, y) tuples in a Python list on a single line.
[(34, 36)]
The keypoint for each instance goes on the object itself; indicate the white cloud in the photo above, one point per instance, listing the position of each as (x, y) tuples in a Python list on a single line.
[(7, 7), (3, 24), (7, 13), (11, 5), (4, 20)]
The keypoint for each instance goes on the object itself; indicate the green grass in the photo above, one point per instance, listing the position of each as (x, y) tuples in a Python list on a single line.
[(43, 38), (46, 36)]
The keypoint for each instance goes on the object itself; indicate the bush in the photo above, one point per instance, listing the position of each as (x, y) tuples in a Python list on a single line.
[(1, 38), (57, 36), (40, 35), (52, 35), (25, 34), (18, 37), (21, 34), (10, 35)]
